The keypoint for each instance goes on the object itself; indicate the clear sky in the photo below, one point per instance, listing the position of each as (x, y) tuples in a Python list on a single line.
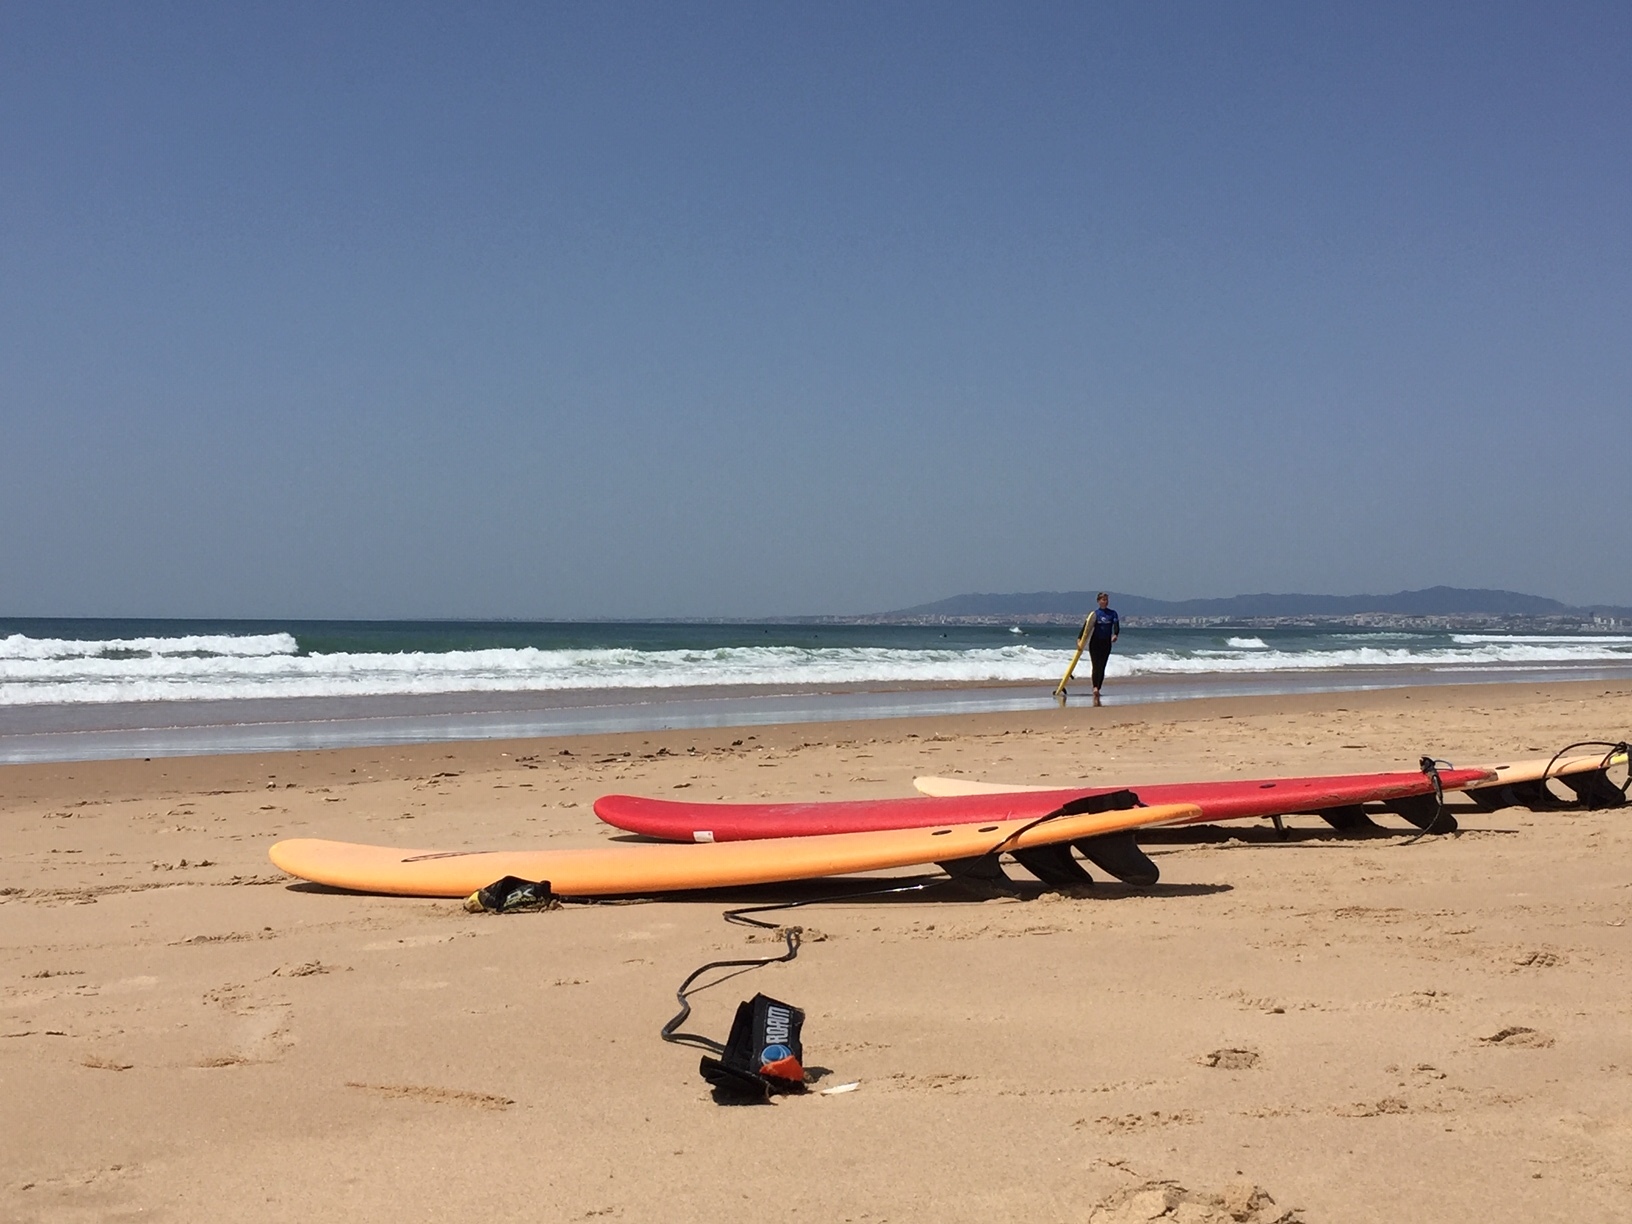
[(667, 310)]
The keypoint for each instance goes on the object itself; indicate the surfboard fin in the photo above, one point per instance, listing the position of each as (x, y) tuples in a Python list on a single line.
[(1492, 798), (1427, 812), (1054, 866), (983, 869), (1594, 789), (1533, 795), (1350, 818), (1119, 855)]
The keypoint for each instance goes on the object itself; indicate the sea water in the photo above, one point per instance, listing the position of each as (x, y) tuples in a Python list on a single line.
[(332, 682)]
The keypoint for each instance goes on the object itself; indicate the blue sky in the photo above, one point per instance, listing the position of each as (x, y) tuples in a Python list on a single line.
[(628, 310)]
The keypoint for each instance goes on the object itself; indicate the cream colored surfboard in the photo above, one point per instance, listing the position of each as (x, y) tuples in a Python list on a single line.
[(638, 869), (946, 788), (1536, 768), (1507, 773)]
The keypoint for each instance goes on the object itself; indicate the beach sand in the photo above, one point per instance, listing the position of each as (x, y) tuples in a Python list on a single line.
[(1364, 1028)]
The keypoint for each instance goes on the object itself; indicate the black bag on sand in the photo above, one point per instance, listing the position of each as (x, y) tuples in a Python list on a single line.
[(762, 1055), (511, 894)]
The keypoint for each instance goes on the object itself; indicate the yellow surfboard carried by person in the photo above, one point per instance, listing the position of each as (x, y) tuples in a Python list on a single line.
[(1100, 629)]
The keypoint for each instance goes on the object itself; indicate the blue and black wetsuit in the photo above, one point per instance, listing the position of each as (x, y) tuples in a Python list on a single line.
[(1105, 624)]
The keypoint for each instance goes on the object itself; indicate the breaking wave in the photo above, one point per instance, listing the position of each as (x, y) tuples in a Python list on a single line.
[(201, 646), (1486, 653), (171, 675), (52, 670)]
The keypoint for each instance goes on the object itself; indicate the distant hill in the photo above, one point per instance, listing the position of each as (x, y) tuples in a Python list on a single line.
[(1434, 601)]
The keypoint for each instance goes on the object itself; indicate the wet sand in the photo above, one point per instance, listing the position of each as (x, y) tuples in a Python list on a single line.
[(1366, 1028), (118, 730)]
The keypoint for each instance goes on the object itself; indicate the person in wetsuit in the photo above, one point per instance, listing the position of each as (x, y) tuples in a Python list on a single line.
[(1102, 626)]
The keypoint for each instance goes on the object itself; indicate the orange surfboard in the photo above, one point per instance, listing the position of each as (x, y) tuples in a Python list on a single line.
[(626, 870)]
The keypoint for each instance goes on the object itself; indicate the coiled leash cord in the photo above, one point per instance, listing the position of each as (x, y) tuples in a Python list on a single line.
[(1615, 750), (793, 935), (1430, 766)]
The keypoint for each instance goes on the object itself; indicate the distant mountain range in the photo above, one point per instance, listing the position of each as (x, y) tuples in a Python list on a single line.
[(1439, 601)]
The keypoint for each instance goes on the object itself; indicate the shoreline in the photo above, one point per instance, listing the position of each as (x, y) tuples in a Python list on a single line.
[(129, 730), (623, 749)]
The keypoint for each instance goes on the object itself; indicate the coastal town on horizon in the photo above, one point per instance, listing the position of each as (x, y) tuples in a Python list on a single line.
[(1433, 608), (1440, 608)]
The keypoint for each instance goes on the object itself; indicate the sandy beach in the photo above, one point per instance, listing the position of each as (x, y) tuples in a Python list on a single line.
[(1362, 1029)]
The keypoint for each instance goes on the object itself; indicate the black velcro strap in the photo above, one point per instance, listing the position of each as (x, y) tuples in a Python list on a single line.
[(1110, 801)]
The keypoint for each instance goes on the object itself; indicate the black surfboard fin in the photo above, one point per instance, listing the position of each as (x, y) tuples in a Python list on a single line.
[(1499, 795), (1493, 798), (1533, 795), (983, 871), (1594, 789), (1118, 854), (1424, 811), (1053, 865), (1350, 818)]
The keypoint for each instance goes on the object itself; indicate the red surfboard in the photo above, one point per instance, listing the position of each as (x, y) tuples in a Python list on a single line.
[(1338, 799)]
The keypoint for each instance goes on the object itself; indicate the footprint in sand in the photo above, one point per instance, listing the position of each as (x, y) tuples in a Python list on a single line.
[(436, 1096), (264, 1034), (1142, 1121), (260, 1034), (302, 969), (1238, 1203), (414, 941), (1538, 958), (1231, 1058), (1517, 1036)]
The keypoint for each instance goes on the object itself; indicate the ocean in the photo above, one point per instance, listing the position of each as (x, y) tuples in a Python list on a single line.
[(74, 689)]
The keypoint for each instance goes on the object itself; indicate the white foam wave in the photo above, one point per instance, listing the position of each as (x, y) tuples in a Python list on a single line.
[(1567, 652), (212, 645), (41, 671), (171, 677), (1479, 639), (1379, 635)]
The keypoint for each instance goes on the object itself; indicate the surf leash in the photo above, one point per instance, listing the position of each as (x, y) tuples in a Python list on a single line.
[(671, 1030), (734, 1073), (763, 1055), (792, 935), (1431, 766)]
